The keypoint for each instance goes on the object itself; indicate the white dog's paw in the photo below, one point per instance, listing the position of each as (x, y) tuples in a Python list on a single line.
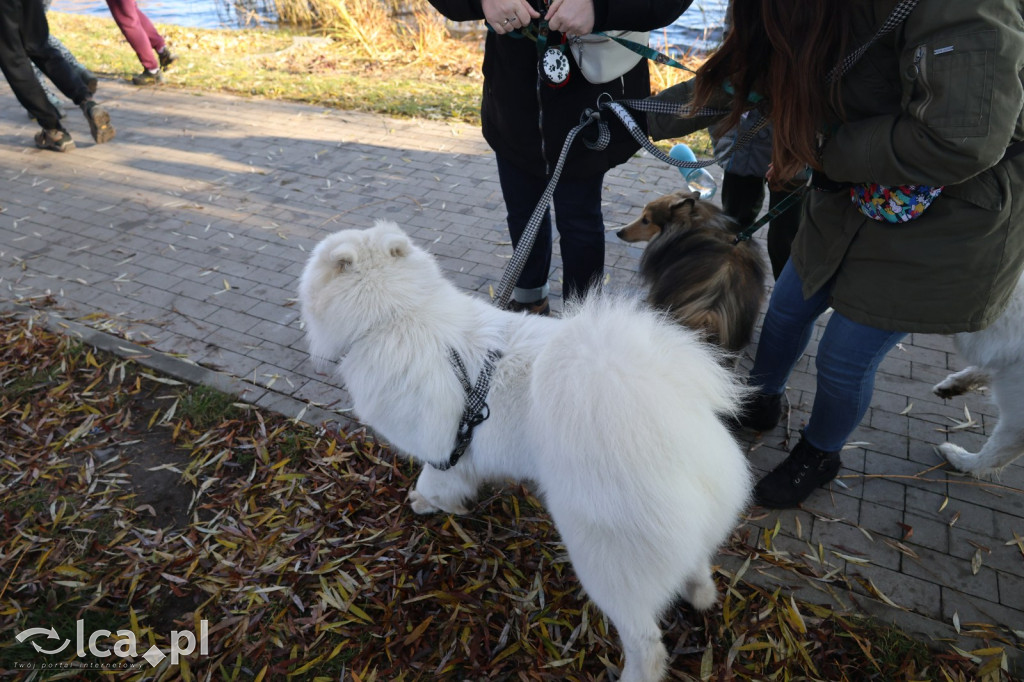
[(420, 504), (965, 461), (701, 592), (966, 380), (948, 387)]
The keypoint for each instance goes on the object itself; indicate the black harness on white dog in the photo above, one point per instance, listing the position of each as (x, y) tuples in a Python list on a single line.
[(475, 411)]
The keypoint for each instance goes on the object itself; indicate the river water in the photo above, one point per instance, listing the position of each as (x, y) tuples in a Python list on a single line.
[(699, 28)]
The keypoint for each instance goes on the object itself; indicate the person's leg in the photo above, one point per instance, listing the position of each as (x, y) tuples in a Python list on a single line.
[(87, 76), (580, 226), (522, 193), (17, 66), (848, 357), (36, 39), (788, 324), (156, 40), (126, 16), (52, 96), (36, 36), (781, 231), (742, 197)]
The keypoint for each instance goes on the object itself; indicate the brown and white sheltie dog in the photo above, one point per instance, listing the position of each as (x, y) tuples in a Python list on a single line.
[(695, 272)]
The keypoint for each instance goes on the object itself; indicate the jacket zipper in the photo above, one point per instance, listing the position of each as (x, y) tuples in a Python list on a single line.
[(921, 75)]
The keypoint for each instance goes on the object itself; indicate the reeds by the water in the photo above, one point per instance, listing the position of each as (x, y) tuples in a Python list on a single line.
[(379, 27), (383, 28)]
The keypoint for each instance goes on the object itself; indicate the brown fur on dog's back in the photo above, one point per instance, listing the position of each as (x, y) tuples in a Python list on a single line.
[(694, 270)]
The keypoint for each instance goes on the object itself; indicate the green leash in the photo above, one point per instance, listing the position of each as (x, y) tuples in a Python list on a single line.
[(539, 36), (774, 212), (646, 51)]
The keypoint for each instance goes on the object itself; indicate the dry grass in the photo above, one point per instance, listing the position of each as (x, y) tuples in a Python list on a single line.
[(296, 545), (361, 56)]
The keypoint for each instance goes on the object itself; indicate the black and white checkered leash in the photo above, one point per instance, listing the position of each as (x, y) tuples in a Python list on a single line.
[(898, 15), (475, 411)]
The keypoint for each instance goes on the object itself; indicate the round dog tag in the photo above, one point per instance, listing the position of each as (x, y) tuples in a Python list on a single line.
[(554, 67)]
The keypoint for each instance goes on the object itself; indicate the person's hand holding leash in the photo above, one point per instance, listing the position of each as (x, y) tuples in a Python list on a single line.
[(508, 15), (574, 17)]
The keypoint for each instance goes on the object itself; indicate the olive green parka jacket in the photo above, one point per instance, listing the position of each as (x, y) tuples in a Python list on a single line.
[(936, 102)]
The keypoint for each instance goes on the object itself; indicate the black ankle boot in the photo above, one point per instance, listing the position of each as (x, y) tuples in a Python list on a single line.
[(806, 469), (761, 412)]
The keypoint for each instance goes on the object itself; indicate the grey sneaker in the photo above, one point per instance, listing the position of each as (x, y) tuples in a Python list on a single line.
[(148, 77), (99, 122), (58, 140)]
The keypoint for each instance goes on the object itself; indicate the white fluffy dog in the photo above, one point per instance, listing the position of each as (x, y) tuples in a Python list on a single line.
[(996, 357), (612, 412)]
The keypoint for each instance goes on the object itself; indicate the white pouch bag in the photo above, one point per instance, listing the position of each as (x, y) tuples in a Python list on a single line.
[(602, 59)]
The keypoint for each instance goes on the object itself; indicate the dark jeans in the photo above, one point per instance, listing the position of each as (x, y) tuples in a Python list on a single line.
[(742, 196), (24, 40), (848, 357), (580, 225)]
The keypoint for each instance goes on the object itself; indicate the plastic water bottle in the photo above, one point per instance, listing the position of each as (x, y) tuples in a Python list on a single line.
[(697, 179)]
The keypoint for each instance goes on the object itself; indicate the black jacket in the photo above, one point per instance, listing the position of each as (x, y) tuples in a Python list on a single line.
[(526, 121)]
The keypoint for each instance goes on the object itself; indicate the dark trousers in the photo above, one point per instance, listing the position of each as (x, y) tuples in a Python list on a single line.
[(25, 39), (742, 197), (580, 225)]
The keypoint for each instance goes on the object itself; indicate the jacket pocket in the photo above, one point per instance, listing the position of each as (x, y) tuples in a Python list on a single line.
[(983, 190), (952, 80)]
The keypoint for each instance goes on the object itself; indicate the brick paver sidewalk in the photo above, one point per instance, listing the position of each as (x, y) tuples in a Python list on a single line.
[(190, 229)]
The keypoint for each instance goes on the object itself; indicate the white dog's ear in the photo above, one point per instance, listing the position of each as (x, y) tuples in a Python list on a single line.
[(343, 256), (398, 245)]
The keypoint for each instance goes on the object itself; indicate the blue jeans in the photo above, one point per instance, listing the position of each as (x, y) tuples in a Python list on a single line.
[(848, 357), (580, 224)]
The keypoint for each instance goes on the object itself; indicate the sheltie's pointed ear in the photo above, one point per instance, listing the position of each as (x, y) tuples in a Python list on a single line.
[(681, 199), (343, 256)]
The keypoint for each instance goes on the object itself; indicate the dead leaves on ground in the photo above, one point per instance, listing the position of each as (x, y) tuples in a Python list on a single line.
[(305, 561)]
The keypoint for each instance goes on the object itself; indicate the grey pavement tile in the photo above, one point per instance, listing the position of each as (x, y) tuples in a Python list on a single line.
[(228, 361), (973, 612), (926, 531), (993, 552), (920, 594), (887, 492), (847, 542), (953, 572), (1011, 591)]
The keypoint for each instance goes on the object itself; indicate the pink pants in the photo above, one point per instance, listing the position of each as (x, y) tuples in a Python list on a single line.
[(138, 30)]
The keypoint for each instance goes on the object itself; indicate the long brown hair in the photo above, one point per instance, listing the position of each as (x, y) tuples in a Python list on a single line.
[(783, 50)]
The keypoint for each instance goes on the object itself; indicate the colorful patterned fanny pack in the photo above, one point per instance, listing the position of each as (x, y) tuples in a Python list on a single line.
[(898, 204)]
